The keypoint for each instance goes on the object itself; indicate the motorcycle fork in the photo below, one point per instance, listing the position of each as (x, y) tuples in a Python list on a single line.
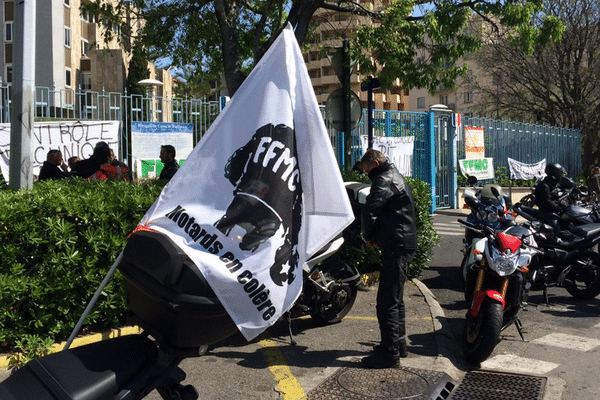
[(479, 295)]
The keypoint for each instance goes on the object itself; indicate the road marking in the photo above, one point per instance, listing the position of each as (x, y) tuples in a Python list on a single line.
[(449, 233), (570, 342), (287, 383), (515, 364), (596, 326)]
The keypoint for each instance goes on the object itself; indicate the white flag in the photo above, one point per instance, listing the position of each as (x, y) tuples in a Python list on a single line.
[(260, 193)]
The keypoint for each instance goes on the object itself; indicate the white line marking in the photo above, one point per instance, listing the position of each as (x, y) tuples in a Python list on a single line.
[(515, 364), (568, 342), (449, 233)]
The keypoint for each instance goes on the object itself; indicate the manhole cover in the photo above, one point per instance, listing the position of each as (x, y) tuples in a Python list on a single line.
[(383, 383), (367, 384), (482, 385)]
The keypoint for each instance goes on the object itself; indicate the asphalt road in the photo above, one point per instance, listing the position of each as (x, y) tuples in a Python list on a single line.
[(562, 339)]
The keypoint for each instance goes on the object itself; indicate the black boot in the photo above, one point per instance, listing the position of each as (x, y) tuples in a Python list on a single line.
[(380, 361), (403, 349)]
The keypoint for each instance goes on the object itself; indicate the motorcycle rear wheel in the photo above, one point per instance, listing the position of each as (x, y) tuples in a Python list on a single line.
[(482, 333), (342, 299), (583, 281)]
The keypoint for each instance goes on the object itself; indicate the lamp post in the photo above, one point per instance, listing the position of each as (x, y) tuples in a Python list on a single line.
[(150, 84)]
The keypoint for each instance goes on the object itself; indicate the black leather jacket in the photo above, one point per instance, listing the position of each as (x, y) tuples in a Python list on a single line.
[(388, 217), (545, 196)]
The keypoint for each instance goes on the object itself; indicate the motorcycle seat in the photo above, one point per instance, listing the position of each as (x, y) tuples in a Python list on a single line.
[(92, 372), (587, 230)]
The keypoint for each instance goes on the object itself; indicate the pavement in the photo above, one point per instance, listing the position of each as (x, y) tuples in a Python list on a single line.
[(430, 345)]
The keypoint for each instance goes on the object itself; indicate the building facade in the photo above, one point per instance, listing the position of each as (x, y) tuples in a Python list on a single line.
[(331, 28), (71, 56)]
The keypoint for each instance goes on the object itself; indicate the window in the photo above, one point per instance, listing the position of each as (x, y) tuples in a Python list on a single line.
[(469, 97), (67, 37), (68, 77), (420, 102), (8, 29), (85, 48), (444, 99), (67, 3), (9, 76), (86, 81)]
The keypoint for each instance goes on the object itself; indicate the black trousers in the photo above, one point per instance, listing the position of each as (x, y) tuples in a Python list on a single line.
[(391, 313)]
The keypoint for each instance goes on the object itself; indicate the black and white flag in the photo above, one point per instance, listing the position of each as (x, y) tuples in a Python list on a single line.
[(259, 194)]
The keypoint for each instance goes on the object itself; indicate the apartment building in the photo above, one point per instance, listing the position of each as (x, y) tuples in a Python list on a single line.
[(331, 28), (71, 55)]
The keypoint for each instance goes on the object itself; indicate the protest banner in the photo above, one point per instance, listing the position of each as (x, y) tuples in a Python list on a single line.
[(72, 138), (399, 150)]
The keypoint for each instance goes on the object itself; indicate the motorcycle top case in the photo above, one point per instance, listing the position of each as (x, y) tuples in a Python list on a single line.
[(167, 295)]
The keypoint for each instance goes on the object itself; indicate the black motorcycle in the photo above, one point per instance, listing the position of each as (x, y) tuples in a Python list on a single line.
[(566, 258)]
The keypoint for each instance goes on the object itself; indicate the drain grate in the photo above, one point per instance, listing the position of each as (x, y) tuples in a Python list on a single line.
[(483, 385), (362, 384)]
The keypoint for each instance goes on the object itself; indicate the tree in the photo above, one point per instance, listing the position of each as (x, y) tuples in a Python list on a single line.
[(558, 84), (229, 36), (138, 70)]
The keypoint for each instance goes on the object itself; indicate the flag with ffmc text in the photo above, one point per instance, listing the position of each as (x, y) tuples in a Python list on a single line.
[(260, 193)]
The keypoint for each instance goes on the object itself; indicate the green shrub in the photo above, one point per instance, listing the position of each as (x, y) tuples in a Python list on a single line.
[(368, 259), (60, 238), (58, 241)]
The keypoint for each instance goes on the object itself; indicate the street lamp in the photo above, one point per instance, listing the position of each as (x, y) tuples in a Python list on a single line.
[(150, 84)]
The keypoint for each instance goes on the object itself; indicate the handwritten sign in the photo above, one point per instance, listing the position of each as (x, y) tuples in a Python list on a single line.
[(399, 150), (482, 168), (72, 138)]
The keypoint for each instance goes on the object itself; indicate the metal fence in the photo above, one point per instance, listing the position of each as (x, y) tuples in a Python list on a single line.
[(527, 143), (438, 142)]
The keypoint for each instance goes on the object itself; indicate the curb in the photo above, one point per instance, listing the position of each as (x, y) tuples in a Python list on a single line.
[(443, 335), (97, 337)]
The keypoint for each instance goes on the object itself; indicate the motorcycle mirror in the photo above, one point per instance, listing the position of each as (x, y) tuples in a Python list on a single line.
[(472, 180)]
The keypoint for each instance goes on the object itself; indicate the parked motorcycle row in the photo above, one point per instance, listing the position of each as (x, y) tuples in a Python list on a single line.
[(504, 260), (180, 316)]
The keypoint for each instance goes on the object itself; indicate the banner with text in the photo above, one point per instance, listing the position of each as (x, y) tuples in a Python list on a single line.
[(72, 138), (474, 143), (146, 139), (399, 150), (519, 170), (480, 168)]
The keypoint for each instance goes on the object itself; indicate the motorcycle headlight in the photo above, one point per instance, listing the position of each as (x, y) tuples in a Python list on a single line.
[(503, 263)]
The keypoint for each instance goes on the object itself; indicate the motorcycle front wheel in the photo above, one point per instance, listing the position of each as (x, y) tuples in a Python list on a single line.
[(482, 333), (583, 281), (337, 307)]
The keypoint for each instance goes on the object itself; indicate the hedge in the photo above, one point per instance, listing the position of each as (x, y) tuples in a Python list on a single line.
[(60, 238)]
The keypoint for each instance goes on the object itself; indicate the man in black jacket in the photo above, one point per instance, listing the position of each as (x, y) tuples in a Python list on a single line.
[(167, 157), (544, 192), (388, 222), (53, 167)]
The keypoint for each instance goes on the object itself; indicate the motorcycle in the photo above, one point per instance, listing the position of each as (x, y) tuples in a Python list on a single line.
[(486, 209), (566, 259), (180, 316), (496, 287)]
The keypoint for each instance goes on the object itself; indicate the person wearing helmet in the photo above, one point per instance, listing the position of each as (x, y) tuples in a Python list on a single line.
[(545, 194)]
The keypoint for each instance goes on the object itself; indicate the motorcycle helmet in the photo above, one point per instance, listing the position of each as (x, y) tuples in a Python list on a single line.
[(555, 171), (488, 198)]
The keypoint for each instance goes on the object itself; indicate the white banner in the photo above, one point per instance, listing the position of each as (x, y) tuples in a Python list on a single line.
[(260, 193), (474, 143), (480, 168), (399, 150), (73, 138), (519, 170)]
